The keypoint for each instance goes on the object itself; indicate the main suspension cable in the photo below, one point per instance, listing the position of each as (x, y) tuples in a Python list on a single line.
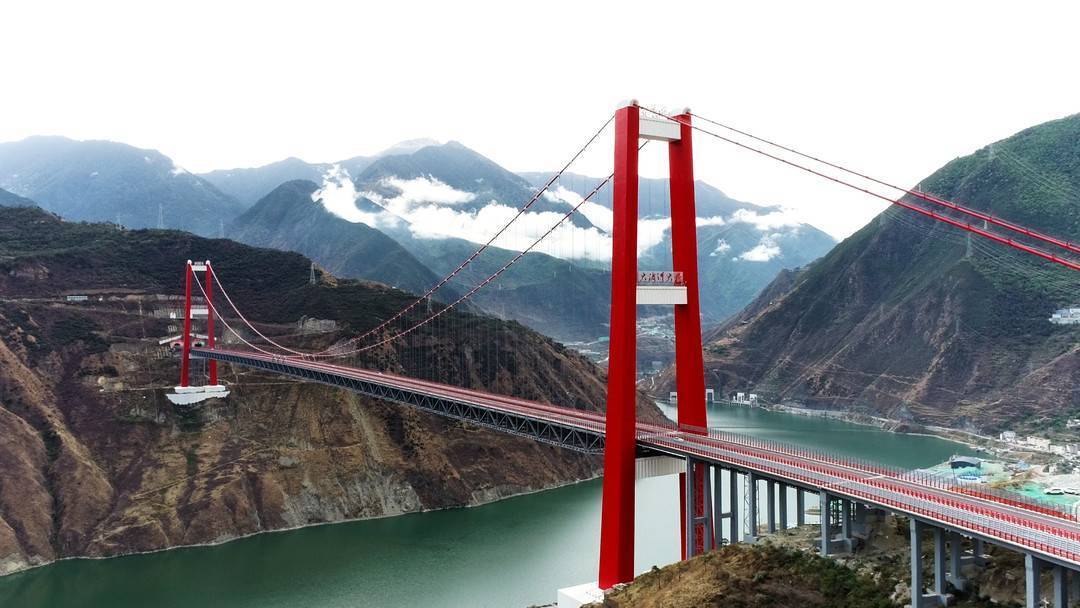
[(218, 316), (250, 325), (899, 202), (989, 218)]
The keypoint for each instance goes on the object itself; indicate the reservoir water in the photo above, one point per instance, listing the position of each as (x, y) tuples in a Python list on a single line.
[(510, 554)]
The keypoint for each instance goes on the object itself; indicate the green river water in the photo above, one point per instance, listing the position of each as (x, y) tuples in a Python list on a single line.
[(513, 553)]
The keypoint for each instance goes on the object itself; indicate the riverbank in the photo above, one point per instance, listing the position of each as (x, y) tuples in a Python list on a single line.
[(888, 424), (224, 541), (537, 542)]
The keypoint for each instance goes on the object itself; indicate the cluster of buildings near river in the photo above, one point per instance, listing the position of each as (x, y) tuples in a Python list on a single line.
[(1031, 443)]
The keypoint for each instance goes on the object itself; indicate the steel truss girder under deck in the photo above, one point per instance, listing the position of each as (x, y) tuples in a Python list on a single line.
[(552, 433)]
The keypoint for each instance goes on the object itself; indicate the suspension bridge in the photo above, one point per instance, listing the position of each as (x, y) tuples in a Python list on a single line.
[(958, 518)]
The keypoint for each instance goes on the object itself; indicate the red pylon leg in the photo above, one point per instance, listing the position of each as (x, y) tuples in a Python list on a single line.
[(689, 366), (617, 512), (185, 360), (212, 363)]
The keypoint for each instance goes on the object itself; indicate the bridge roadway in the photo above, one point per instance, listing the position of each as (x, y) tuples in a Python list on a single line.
[(1054, 538)]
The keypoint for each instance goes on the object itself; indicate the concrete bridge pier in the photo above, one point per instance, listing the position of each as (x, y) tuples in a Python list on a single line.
[(977, 556), (1032, 580), (845, 522), (1061, 587), (800, 507), (734, 523), (770, 500), (835, 512), (731, 514), (862, 513), (783, 506), (1059, 591), (826, 522), (956, 559), (919, 597), (752, 507)]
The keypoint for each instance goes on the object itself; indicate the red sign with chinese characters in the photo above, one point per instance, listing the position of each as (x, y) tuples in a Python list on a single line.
[(660, 277)]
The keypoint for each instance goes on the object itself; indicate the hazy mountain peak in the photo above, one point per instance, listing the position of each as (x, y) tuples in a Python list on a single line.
[(100, 180), (410, 146), (10, 199)]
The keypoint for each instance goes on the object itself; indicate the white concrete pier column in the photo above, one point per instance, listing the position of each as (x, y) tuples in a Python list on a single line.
[(955, 561), (751, 504), (939, 561), (783, 506), (1061, 587), (800, 507), (735, 533), (826, 533), (916, 564), (770, 498), (1032, 570)]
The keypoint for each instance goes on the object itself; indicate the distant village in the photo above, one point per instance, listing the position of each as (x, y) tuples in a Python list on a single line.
[(1042, 444)]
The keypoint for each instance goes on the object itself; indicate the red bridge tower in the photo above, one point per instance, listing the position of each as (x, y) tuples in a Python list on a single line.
[(617, 515)]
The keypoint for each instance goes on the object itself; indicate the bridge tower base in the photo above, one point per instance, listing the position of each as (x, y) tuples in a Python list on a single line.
[(579, 595)]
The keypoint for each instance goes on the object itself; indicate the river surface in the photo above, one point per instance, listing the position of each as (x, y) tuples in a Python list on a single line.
[(509, 554)]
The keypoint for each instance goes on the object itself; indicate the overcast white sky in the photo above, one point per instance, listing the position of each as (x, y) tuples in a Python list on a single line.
[(896, 89)]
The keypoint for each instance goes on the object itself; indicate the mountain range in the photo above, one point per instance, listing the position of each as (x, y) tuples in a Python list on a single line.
[(8, 199), (411, 214), (103, 181), (439, 200), (249, 184)]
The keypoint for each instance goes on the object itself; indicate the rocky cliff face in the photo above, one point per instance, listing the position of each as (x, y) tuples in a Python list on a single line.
[(94, 461), (910, 319)]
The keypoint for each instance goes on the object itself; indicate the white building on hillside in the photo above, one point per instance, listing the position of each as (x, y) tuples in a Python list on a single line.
[(1066, 316), (1038, 443)]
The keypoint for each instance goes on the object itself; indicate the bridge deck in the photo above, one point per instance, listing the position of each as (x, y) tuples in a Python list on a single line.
[(1051, 537)]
